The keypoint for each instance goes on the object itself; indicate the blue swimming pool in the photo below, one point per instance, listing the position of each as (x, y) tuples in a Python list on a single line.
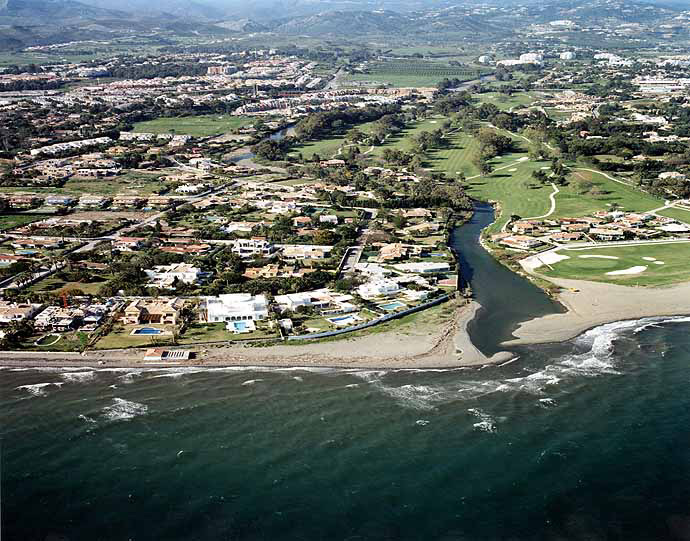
[(147, 330), (389, 307), (239, 325), (349, 319)]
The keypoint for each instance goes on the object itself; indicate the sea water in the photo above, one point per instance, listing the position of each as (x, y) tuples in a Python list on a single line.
[(588, 439)]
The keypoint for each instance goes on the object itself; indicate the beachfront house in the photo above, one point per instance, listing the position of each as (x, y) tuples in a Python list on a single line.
[(323, 300), (233, 307), (159, 310), (381, 287)]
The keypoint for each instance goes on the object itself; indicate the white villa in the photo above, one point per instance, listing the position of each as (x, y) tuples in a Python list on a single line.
[(233, 307), (423, 267), (382, 287), (165, 275), (250, 248), (323, 300)]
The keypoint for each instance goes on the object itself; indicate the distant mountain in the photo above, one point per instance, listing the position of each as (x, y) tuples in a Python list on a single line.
[(592, 11), (30, 12), (345, 23), (187, 9)]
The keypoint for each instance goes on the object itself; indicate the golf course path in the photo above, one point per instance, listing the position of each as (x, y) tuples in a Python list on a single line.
[(552, 197)]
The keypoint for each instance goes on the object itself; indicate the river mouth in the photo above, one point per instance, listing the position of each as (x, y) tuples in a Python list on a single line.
[(506, 298)]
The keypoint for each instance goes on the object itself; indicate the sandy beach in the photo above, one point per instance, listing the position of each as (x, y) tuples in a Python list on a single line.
[(432, 342), (591, 304)]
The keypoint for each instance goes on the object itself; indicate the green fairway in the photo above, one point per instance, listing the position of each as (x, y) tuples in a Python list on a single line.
[(197, 126), (512, 186), (403, 140), (328, 148), (675, 267), (457, 157), (574, 201)]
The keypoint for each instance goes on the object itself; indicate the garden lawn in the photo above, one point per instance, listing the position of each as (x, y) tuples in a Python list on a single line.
[(215, 332), (10, 221), (120, 337), (197, 126), (53, 284), (675, 269)]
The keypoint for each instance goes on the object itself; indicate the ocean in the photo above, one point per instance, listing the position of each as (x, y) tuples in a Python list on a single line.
[(585, 440)]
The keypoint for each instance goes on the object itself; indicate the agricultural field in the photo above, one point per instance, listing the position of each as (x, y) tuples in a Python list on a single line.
[(643, 265), (413, 73), (197, 126)]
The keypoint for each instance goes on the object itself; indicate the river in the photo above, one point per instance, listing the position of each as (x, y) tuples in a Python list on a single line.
[(506, 297), (244, 156)]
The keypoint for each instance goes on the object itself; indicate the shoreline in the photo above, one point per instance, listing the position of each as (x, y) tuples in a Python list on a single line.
[(419, 345), (447, 348), (591, 304)]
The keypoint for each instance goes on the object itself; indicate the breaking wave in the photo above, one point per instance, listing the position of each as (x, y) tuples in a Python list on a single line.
[(38, 389), (485, 422), (122, 409), (593, 356), (77, 377)]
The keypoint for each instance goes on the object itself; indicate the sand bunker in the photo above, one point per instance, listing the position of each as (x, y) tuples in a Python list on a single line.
[(598, 257), (550, 258), (649, 258), (659, 263), (632, 270), (512, 170)]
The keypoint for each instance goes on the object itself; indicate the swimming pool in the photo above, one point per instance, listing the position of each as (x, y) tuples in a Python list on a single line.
[(349, 319), (389, 307), (147, 331), (239, 325)]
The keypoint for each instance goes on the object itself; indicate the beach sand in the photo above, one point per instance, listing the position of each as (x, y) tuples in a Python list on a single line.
[(591, 304), (431, 341)]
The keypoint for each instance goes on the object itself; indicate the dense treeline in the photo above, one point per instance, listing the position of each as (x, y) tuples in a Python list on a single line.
[(323, 124)]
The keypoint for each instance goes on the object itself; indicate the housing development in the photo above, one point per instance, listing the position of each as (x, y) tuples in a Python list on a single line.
[(213, 195)]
